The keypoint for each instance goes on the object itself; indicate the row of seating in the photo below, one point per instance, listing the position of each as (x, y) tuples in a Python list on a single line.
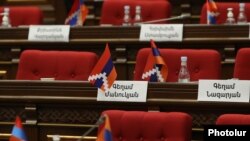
[(71, 65), (113, 12), (170, 126)]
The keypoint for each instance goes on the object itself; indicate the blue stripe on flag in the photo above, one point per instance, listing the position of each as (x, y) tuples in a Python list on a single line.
[(19, 133), (211, 18), (107, 135), (108, 67), (73, 21), (155, 52)]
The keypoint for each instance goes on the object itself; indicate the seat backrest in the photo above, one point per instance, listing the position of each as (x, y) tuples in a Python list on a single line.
[(202, 64), (113, 10), (151, 126), (61, 65), (24, 15), (222, 9), (233, 119), (242, 64)]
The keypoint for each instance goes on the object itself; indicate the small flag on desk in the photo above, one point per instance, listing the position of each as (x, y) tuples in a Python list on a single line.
[(18, 133), (104, 74), (77, 14), (212, 12), (155, 69), (105, 133)]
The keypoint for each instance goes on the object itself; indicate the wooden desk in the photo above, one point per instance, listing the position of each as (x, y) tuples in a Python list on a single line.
[(124, 43), (70, 108)]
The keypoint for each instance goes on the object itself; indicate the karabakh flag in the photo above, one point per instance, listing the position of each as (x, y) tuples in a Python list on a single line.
[(155, 69), (77, 14), (105, 133), (212, 12), (18, 133), (104, 74)]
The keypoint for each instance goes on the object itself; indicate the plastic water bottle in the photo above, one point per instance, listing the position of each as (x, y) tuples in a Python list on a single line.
[(242, 19), (138, 17), (184, 75), (6, 19), (230, 16), (126, 18)]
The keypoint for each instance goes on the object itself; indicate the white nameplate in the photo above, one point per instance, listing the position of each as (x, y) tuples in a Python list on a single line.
[(126, 91), (49, 33), (161, 32), (224, 90)]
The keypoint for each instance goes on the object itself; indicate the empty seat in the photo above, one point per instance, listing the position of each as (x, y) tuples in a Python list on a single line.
[(233, 119), (24, 15), (151, 126), (60, 65), (242, 64), (113, 10), (202, 64)]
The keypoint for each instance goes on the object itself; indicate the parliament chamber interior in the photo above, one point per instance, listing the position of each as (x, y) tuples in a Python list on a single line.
[(53, 85)]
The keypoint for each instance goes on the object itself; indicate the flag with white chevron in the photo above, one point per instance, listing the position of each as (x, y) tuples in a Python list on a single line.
[(155, 69), (104, 73)]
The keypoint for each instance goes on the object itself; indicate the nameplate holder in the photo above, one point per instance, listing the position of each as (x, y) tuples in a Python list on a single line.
[(224, 90), (125, 91), (47, 79), (49, 33), (161, 32)]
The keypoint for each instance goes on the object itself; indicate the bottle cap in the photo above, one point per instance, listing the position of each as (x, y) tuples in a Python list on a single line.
[(242, 5), (138, 7), (183, 58), (230, 12), (126, 7), (6, 9)]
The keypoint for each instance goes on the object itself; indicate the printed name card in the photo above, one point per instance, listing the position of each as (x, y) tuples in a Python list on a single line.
[(224, 90), (161, 32), (125, 91), (49, 33)]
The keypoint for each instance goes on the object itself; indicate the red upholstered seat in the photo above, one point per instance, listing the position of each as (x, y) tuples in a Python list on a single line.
[(149, 126), (242, 64), (222, 9), (234, 119), (61, 65), (113, 11), (24, 15), (202, 64)]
